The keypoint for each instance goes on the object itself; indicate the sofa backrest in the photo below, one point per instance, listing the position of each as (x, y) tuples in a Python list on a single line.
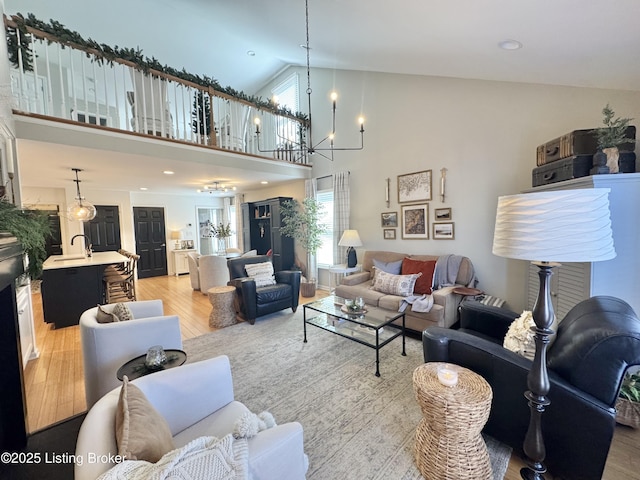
[(465, 273)]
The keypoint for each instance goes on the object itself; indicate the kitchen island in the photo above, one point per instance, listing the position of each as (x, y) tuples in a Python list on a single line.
[(72, 284)]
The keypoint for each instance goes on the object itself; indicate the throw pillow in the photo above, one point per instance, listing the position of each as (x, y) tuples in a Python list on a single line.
[(102, 316), (424, 284), (519, 337), (401, 285), (141, 432), (262, 273), (388, 267), (123, 312)]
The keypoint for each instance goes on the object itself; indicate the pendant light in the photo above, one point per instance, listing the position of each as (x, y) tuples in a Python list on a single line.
[(80, 209)]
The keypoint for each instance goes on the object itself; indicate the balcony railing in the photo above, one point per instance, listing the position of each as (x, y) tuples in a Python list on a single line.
[(76, 84)]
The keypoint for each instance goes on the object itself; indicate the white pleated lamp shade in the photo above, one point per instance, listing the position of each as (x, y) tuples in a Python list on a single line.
[(560, 226)]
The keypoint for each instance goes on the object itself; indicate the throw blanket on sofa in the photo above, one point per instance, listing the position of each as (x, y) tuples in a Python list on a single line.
[(420, 303), (205, 457), (446, 273)]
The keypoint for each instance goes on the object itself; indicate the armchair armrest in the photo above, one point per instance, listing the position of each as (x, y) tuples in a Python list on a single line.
[(292, 277), (486, 319)]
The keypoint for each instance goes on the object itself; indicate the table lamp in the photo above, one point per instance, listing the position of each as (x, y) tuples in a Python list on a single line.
[(549, 227), (350, 239), (177, 236)]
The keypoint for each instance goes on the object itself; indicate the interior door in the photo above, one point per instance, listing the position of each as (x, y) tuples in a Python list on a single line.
[(150, 241), (104, 229)]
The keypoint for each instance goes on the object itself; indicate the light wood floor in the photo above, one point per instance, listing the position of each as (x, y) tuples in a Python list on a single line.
[(55, 388)]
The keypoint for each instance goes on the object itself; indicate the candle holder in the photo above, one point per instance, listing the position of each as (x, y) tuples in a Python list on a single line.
[(156, 357), (447, 376)]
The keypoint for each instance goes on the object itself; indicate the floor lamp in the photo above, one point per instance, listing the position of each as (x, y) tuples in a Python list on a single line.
[(545, 228)]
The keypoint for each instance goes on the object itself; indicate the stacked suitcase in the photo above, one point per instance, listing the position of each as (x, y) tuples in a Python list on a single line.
[(571, 156)]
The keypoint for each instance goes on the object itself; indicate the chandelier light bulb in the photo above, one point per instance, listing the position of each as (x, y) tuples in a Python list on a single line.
[(334, 96)]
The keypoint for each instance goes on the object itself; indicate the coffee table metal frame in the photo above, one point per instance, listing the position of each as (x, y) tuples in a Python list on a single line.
[(366, 328)]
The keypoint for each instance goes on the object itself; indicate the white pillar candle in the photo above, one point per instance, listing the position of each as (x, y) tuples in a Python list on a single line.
[(447, 376)]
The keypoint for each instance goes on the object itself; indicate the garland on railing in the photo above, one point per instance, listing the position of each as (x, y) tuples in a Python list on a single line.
[(102, 52)]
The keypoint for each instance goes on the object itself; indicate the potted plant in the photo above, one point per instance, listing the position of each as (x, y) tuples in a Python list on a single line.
[(31, 229), (301, 221), (609, 140), (221, 232), (628, 403)]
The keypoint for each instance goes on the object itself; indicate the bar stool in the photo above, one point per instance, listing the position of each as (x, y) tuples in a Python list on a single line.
[(120, 286)]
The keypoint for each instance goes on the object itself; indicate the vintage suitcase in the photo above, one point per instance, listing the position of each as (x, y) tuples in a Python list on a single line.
[(578, 142), (565, 169)]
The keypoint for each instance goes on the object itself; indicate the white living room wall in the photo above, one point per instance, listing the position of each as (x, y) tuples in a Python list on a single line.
[(485, 133)]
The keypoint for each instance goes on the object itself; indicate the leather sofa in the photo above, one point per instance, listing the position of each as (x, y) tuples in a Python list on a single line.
[(196, 400), (445, 302), (596, 342), (107, 346), (253, 302)]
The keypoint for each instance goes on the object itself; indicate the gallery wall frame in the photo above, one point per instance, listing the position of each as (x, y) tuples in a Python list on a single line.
[(441, 214), (414, 187), (415, 221), (389, 219), (443, 231), (389, 234)]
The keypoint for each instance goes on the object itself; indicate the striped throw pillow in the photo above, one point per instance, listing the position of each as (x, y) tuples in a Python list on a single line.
[(401, 285), (262, 273)]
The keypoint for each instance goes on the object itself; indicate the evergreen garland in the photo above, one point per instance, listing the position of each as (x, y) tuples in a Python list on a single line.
[(102, 53)]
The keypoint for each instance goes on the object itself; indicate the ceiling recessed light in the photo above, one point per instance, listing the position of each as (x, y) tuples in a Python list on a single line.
[(144, 188), (168, 172), (264, 182), (510, 44), (251, 53)]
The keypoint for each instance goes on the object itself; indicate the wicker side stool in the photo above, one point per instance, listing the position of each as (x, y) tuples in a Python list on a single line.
[(223, 312), (448, 442)]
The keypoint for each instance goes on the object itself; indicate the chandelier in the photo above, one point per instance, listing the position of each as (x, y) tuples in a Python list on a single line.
[(303, 148), (80, 209), (217, 187)]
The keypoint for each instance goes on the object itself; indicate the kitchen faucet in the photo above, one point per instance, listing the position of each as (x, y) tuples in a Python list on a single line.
[(88, 245)]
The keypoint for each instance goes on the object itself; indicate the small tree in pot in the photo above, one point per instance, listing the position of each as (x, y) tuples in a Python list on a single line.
[(611, 138), (301, 221)]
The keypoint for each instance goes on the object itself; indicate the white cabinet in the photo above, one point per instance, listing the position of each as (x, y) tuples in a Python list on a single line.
[(180, 261), (618, 277), (25, 323)]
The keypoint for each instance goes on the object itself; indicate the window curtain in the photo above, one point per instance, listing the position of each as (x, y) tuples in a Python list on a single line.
[(238, 200), (341, 208), (310, 191)]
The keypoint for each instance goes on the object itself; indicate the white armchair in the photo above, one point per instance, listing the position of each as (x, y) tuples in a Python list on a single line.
[(194, 273), (107, 346), (195, 399), (207, 271)]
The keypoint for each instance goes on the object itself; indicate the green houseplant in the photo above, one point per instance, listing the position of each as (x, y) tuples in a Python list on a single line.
[(628, 403), (609, 139), (301, 221), (31, 229)]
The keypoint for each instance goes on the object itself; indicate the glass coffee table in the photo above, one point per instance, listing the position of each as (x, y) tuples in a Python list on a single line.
[(370, 327)]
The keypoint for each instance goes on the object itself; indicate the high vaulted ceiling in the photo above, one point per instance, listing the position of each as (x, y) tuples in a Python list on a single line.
[(590, 43)]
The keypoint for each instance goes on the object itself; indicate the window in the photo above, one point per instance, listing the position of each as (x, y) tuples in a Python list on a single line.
[(324, 255), (286, 130)]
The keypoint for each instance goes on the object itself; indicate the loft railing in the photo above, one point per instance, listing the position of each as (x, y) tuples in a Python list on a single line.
[(75, 84)]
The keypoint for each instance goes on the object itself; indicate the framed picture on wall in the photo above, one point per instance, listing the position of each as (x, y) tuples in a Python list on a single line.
[(414, 187), (389, 234), (415, 221), (441, 214), (443, 231), (389, 219)]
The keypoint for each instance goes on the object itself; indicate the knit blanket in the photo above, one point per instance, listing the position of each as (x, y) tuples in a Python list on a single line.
[(205, 457)]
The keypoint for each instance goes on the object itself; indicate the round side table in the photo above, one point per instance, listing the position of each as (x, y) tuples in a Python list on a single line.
[(223, 312), (448, 442)]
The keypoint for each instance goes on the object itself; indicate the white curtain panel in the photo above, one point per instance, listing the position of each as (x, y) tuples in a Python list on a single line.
[(238, 200), (310, 191), (341, 209)]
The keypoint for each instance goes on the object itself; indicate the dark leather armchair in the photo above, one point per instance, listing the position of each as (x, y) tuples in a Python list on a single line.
[(252, 301), (595, 344)]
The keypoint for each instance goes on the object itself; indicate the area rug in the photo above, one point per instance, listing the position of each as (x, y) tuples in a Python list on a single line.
[(356, 425)]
